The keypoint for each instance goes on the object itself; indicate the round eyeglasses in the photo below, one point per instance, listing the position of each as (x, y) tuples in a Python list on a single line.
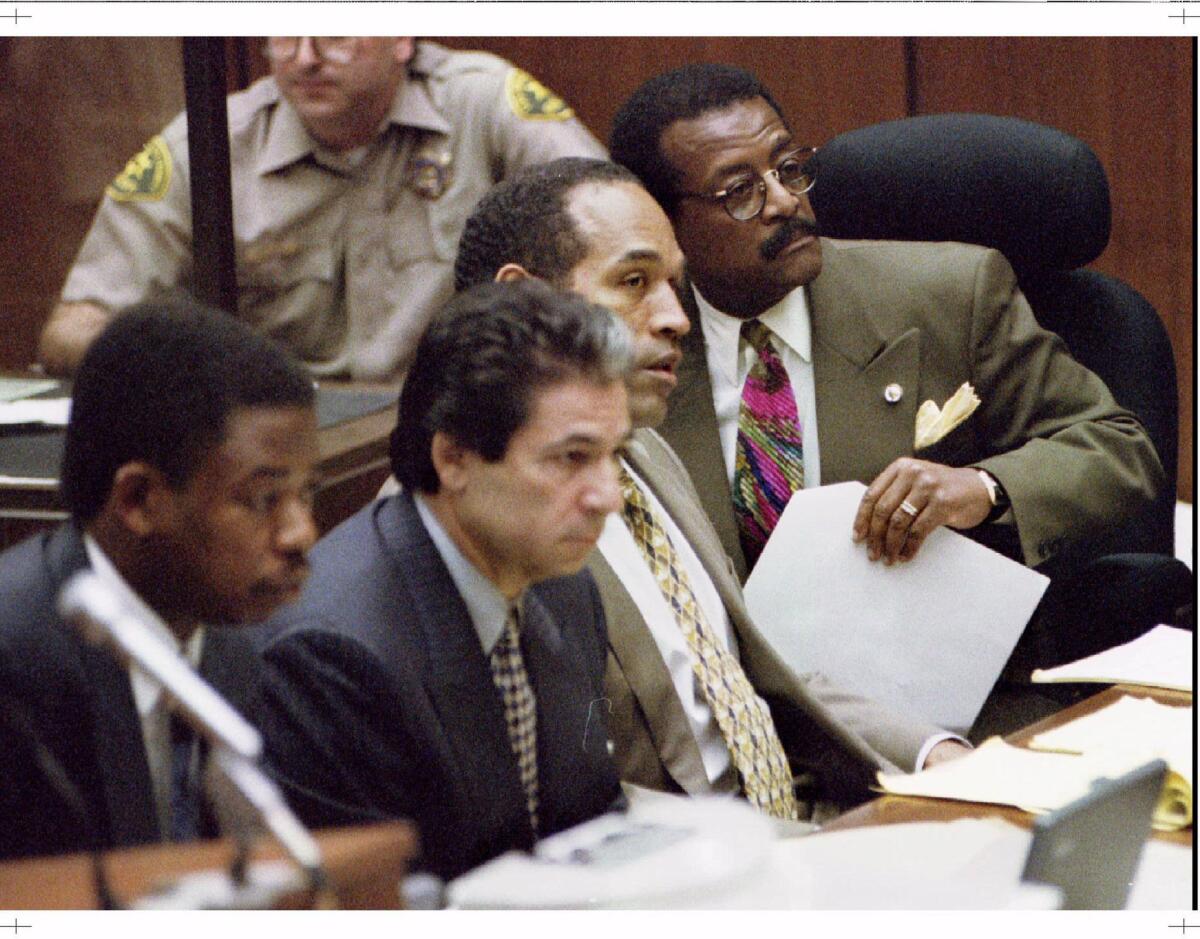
[(744, 198), (340, 50)]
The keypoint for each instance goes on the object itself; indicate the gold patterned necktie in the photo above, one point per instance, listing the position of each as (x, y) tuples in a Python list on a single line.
[(742, 716), (769, 460), (520, 710)]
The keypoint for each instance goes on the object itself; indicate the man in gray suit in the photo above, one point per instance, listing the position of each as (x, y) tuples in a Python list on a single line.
[(678, 626), (860, 333), (446, 662)]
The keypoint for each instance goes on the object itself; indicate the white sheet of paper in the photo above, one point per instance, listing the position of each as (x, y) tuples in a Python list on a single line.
[(1161, 658), (50, 411), (928, 637), (1002, 774)]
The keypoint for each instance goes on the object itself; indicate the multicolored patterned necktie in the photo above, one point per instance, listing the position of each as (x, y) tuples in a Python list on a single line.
[(520, 710), (769, 463), (742, 716)]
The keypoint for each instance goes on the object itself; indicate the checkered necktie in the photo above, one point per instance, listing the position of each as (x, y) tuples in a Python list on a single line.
[(520, 710), (769, 465), (742, 716)]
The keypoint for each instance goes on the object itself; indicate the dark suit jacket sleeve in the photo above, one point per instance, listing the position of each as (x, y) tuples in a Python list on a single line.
[(322, 706), (1071, 460)]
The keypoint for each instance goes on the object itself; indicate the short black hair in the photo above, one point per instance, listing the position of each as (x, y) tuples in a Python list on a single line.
[(480, 361), (159, 384), (525, 220), (678, 95)]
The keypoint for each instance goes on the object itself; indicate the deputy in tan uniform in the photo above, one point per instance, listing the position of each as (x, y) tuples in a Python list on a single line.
[(354, 166)]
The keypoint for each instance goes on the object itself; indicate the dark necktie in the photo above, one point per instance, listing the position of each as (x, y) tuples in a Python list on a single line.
[(185, 788)]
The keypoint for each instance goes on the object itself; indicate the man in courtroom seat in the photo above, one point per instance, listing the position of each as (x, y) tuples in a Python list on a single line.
[(808, 356), (188, 472), (446, 661), (353, 167), (677, 624)]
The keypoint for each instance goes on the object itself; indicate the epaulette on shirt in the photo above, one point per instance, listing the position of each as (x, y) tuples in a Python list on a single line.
[(527, 97)]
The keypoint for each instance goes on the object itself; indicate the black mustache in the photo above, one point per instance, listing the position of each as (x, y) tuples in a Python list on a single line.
[(787, 232)]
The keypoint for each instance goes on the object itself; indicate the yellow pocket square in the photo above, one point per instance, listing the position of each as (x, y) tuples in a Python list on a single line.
[(933, 423)]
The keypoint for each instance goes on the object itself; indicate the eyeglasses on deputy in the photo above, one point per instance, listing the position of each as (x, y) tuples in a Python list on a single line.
[(337, 49)]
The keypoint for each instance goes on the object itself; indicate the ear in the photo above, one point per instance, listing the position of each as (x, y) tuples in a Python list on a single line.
[(141, 499), (451, 460), (404, 49), (511, 273)]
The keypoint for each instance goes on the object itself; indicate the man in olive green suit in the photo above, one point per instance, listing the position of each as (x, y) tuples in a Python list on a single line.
[(1071, 462), (865, 332), (588, 226)]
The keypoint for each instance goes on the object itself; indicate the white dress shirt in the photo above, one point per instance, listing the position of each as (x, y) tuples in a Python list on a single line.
[(148, 693), (730, 361)]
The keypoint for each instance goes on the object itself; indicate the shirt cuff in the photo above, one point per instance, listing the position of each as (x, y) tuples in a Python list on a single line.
[(923, 753)]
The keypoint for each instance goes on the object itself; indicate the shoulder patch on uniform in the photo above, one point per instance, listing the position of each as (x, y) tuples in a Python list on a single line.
[(530, 100), (146, 177)]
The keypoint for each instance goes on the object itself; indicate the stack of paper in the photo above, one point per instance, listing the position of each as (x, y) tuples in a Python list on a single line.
[(1065, 761), (52, 412), (1130, 732), (1162, 658), (14, 389)]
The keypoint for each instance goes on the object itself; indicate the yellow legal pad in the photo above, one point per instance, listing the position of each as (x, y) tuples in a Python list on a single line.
[(1062, 763)]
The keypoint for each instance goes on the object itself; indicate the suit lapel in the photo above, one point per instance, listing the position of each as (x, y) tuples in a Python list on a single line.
[(117, 743), (649, 680), (571, 740), (120, 751), (860, 431), (228, 663), (688, 515), (457, 677), (691, 429)]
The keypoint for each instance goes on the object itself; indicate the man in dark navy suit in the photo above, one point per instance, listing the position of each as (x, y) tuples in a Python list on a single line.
[(188, 474), (446, 661)]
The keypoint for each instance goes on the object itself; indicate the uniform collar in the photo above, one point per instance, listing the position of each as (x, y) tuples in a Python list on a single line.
[(288, 141)]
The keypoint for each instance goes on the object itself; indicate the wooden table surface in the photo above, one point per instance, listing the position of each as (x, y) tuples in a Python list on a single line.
[(365, 867)]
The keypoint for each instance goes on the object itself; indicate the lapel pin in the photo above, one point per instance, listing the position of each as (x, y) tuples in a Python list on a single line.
[(893, 393)]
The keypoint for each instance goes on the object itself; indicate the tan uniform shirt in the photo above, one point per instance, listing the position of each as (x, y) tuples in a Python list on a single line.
[(343, 259)]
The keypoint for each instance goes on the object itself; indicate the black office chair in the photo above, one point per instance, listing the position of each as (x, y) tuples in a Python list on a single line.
[(1041, 198)]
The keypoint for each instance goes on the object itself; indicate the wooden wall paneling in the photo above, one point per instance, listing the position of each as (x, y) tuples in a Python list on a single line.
[(74, 110), (1132, 100), (826, 86)]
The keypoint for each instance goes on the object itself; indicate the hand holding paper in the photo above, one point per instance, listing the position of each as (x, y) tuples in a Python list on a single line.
[(910, 499), (927, 638)]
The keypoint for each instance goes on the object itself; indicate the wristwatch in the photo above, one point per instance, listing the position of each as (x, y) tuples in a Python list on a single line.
[(997, 495)]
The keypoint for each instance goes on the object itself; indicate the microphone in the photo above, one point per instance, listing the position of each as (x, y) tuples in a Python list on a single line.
[(236, 746), (91, 607)]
